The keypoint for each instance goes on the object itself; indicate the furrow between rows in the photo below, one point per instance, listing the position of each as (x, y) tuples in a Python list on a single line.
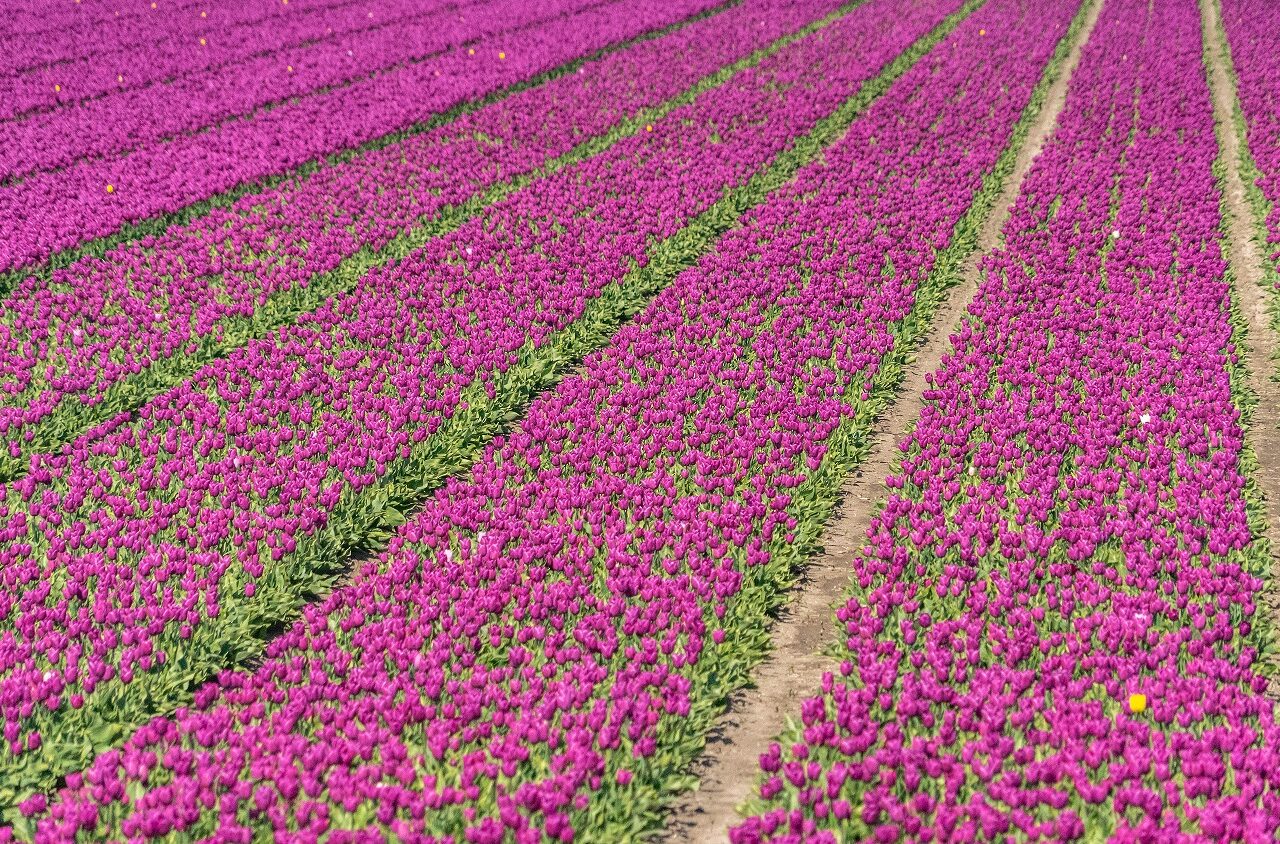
[(143, 561), (540, 653)]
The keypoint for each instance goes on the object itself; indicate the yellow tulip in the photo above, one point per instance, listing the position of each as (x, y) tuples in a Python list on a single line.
[(1137, 703)]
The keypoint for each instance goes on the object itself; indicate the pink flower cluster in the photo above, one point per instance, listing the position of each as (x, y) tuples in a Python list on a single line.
[(54, 210), (115, 126), (104, 321), (165, 47), (1253, 33), (524, 662), (39, 35), (1053, 632), (138, 552)]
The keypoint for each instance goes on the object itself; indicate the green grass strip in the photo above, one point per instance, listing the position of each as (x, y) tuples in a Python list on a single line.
[(156, 226), (363, 522), (72, 417)]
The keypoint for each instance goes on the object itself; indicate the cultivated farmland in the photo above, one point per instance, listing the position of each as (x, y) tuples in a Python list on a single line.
[(742, 421)]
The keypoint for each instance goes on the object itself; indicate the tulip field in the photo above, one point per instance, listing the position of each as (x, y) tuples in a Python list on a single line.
[(421, 418)]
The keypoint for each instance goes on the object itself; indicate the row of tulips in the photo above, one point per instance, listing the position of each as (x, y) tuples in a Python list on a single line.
[(57, 210), (1054, 631), (241, 196), (543, 647), (164, 52), (105, 335), (39, 34), (115, 126), (156, 550)]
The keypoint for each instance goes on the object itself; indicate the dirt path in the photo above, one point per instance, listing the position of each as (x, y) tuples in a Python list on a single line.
[(1253, 300), (793, 671)]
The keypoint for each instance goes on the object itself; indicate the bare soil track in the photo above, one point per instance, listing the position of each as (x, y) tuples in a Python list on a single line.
[(728, 769), (1253, 300)]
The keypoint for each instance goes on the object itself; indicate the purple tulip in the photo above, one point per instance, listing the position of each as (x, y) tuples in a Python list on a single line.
[(202, 150), (104, 323), (1051, 631), (532, 656)]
